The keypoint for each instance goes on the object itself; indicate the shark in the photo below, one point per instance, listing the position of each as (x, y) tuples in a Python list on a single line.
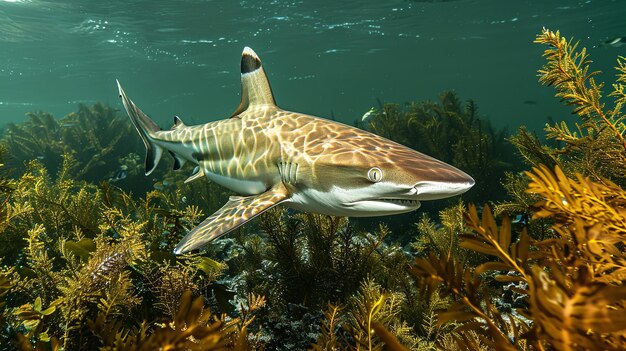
[(270, 156)]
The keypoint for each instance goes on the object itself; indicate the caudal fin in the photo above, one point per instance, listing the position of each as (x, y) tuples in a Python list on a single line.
[(146, 129)]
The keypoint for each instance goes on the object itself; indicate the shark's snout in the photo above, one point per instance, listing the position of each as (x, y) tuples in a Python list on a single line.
[(430, 178), (450, 186), (433, 190)]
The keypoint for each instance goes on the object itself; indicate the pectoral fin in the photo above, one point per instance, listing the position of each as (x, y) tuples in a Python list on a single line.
[(237, 211)]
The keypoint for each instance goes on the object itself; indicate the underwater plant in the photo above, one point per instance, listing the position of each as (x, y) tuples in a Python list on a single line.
[(94, 135), (301, 262), (193, 327), (557, 281), (75, 252), (594, 147), (88, 265), (571, 284)]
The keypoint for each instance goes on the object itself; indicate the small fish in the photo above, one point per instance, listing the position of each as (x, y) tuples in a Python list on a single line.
[(68, 124), (120, 174), (158, 186), (615, 42), (521, 219), (369, 114), (530, 102)]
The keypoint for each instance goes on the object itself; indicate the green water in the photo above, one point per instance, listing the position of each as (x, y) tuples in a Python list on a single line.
[(328, 58), (86, 244)]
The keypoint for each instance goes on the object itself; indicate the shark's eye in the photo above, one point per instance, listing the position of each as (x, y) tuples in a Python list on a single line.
[(375, 175)]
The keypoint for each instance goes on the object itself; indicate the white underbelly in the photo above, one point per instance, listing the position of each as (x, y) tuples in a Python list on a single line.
[(240, 186), (311, 200)]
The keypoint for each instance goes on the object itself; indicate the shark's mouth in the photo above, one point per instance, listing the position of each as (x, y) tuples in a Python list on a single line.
[(403, 202), (382, 206), (390, 200)]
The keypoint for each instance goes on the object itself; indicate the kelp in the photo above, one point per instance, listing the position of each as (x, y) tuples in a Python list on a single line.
[(302, 262), (572, 283), (594, 147), (88, 265), (193, 327), (84, 252), (94, 135), (395, 310), (556, 279), (371, 306)]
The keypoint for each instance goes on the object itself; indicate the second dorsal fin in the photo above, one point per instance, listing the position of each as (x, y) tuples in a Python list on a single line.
[(255, 88), (178, 123)]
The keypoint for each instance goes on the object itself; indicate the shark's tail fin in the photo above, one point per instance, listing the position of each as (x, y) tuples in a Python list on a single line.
[(146, 129)]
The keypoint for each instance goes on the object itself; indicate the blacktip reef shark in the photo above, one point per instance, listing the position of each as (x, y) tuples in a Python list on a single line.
[(271, 156)]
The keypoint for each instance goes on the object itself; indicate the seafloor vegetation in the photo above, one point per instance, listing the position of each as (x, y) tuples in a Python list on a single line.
[(86, 248)]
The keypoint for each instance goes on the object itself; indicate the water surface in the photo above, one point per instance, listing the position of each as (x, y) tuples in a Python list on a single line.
[(328, 58)]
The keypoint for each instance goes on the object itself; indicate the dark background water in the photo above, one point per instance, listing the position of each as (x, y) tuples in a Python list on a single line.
[(323, 57)]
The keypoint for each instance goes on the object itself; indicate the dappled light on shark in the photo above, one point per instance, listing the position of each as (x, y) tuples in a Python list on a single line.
[(271, 156)]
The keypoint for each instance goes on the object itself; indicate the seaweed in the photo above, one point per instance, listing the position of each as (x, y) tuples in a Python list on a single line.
[(93, 135), (566, 280), (193, 327), (304, 261), (88, 264), (83, 252), (369, 306), (563, 270), (594, 147)]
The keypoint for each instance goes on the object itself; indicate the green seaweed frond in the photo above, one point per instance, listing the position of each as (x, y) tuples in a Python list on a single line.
[(328, 339), (5, 287), (568, 70), (370, 308), (32, 319), (443, 239), (597, 144), (532, 151), (371, 305), (521, 201)]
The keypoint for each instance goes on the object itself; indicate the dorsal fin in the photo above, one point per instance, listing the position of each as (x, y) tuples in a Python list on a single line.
[(178, 123), (255, 88)]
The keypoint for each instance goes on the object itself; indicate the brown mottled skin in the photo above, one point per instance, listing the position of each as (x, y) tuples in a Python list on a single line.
[(273, 156)]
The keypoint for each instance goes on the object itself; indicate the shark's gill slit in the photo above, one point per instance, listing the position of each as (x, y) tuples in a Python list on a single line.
[(295, 174), (289, 164)]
